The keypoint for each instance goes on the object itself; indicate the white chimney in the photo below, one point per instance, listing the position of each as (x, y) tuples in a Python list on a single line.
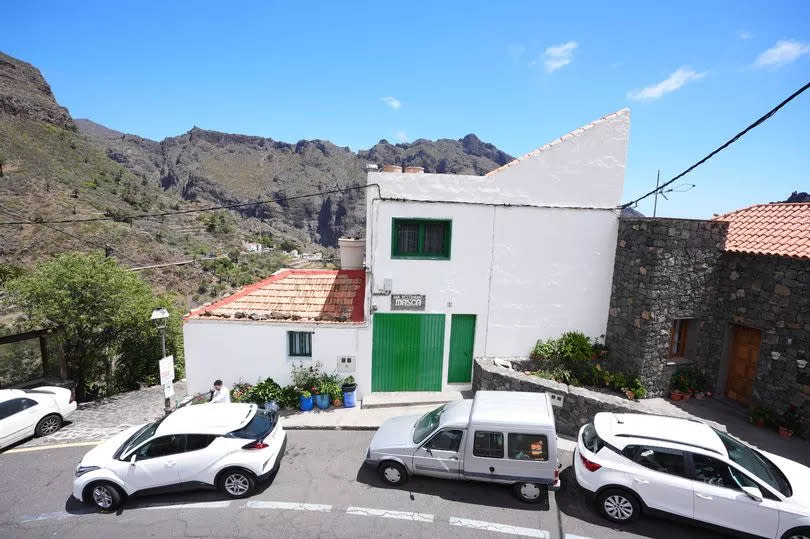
[(352, 252)]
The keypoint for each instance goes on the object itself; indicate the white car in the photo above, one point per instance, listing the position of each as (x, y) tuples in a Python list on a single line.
[(33, 412), (228, 446), (636, 463)]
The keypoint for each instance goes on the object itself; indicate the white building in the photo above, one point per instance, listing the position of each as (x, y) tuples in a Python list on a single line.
[(456, 267)]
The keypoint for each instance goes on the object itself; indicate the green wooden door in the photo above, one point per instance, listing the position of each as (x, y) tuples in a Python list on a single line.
[(462, 337), (407, 352)]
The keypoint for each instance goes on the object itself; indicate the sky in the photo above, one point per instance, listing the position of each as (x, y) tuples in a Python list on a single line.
[(517, 74)]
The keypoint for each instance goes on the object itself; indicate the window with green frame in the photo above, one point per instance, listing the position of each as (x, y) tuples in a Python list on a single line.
[(299, 343), (421, 238)]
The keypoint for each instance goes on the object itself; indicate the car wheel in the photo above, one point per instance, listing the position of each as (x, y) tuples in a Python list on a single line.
[(106, 496), (798, 533), (48, 425), (393, 473), (237, 483), (618, 505), (528, 492)]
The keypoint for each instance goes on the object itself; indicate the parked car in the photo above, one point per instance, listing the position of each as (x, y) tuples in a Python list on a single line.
[(636, 463), (227, 446), (33, 412), (497, 437)]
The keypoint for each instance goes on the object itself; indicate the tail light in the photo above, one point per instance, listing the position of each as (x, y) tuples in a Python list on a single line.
[(258, 444), (589, 465), (556, 474)]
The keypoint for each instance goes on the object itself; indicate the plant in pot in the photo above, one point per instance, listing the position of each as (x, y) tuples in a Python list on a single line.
[(321, 393), (288, 397), (266, 393), (790, 423), (680, 384), (758, 415), (349, 388), (305, 401)]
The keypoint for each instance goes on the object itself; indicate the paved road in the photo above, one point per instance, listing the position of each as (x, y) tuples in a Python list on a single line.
[(321, 490)]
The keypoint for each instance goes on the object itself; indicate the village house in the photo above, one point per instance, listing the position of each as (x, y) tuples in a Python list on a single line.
[(456, 267)]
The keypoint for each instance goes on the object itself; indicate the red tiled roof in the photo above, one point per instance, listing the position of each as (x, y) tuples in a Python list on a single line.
[(770, 229), (295, 295)]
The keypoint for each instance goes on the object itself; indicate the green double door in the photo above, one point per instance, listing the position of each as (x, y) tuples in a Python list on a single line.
[(408, 351), (462, 337)]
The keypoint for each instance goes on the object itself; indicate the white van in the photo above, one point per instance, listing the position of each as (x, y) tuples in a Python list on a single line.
[(502, 437)]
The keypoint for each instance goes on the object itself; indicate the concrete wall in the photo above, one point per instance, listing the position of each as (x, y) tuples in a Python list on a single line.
[(247, 351)]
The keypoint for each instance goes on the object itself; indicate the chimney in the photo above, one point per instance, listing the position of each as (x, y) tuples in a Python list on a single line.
[(392, 168), (352, 252), (414, 170)]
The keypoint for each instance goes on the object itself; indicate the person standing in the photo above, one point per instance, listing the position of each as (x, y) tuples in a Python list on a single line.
[(221, 393)]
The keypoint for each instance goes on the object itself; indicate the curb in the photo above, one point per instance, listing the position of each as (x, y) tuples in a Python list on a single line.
[(331, 427)]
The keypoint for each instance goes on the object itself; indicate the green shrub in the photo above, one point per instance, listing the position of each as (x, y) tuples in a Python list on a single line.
[(288, 397), (265, 391)]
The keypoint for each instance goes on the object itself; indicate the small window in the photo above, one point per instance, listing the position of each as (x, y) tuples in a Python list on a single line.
[(10, 407), (420, 238), (27, 403), (488, 445), (195, 442), (300, 343), (446, 440), (658, 459), (677, 339), (715, 472), (162, 447), (528, 446), (592, 440)]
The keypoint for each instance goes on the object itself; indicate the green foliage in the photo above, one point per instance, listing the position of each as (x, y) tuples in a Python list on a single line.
[(288, 397), (241, 392), (103, 310), (791, 419), (9, 272), (687, 379), (265, 391), (219, 222), (289, 245), (767, 415)]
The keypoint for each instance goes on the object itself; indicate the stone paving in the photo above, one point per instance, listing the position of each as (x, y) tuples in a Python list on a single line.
[(104, 418)]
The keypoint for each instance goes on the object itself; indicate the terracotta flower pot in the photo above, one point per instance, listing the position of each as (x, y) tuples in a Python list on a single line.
[(759, 423), (675, 395), (785, 432), (630, 395), (686, 396), (699, 395)]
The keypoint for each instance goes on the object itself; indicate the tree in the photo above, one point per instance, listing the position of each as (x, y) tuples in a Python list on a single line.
[(103, 310)]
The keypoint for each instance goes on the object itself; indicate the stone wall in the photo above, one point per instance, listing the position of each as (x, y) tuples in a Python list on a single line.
[(664, 269), (579, 404)]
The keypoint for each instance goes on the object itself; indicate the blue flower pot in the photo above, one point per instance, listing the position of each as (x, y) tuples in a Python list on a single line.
[(305, 403), (322, 401), (349, 399)]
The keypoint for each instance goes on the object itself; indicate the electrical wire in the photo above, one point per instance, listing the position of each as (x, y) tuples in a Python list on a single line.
[(731, 141)]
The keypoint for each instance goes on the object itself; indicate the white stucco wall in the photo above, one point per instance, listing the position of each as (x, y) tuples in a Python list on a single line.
[(250, 350)]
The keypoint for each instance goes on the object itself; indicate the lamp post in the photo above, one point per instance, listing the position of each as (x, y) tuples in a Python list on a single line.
[(160, 317)]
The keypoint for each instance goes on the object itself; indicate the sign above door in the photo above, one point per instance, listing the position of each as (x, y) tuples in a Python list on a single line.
[(407, 302)]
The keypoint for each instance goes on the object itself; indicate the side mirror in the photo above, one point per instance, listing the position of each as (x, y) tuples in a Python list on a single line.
[(132, 459), (754, 493)]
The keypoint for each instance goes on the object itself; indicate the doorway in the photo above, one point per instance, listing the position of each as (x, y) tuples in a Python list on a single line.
[(742, 363)]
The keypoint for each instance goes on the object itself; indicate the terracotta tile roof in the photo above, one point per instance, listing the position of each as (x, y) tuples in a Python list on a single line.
[(295, 295), (770, 229), (572, 134)]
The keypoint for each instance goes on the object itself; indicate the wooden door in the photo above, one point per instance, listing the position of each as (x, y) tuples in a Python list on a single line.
[(742, 364)]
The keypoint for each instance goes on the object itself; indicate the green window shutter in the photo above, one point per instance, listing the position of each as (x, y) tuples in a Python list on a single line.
[(421, 238)]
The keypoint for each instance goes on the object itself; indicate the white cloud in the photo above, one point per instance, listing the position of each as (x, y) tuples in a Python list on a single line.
[(401, 136), (392, 102), (783, 53), (559, 55), (675, 81), (744, 35)]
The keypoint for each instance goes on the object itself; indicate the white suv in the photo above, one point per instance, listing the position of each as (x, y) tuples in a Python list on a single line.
[(636, 462), (229, 446)]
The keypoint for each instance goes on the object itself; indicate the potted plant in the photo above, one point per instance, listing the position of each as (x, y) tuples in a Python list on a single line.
[(321, 394), (305, 401), (758, 415), (349, 388), (790, 423)]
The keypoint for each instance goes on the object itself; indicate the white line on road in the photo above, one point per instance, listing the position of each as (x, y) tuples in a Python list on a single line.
[(401, 515), (44, 447), (500, 528), (572, 536), (48, 516), (289, 505), (197, 505)]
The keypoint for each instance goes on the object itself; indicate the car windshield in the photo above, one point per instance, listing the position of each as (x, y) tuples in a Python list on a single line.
[(756, 463), (141, 435), (427, 424), (258, 427)]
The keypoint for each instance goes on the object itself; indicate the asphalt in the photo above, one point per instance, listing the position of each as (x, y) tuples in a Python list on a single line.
[(321, 490)]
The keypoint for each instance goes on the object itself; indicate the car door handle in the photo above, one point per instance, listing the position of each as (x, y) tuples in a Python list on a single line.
[(703, 496), (640, 480), (453, 458)]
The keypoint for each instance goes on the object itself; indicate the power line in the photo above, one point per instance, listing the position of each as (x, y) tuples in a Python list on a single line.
[(127, 218), (731, 141)]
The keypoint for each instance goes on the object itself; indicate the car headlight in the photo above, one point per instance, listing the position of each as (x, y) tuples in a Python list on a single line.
[(81, 470)]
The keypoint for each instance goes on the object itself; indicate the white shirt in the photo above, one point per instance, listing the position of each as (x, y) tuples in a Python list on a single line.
[(223, 395)]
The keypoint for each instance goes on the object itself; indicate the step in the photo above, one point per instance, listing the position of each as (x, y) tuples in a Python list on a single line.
[(408, 398)]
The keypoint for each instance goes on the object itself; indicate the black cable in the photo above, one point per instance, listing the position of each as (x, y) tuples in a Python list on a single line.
[(127, 218), (723, 147)]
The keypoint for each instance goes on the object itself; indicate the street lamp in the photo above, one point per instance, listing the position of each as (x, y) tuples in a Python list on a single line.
[(160, 317)]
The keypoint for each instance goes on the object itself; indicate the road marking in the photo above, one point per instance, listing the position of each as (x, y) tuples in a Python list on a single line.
[(53, 446), (572, 536), (48, 516), (197, 505), (385, 513), (289, 505), (500, 528)]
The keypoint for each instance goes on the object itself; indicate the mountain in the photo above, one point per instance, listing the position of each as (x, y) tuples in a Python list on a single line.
[(56, 168), (798, 197)]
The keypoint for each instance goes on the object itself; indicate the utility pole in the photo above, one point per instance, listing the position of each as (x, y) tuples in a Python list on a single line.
[(160, 319), (655, 204)]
